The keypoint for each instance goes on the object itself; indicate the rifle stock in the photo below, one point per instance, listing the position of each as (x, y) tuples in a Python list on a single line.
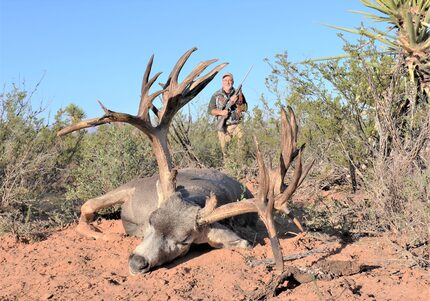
[(221, 122)]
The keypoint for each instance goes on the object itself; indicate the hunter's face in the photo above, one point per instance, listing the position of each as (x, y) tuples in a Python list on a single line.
[(227, 83)]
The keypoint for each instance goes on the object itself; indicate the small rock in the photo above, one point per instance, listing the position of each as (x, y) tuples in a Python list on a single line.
[(48, 296)]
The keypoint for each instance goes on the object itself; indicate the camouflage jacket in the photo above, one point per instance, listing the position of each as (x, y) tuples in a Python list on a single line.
[(219, 101)]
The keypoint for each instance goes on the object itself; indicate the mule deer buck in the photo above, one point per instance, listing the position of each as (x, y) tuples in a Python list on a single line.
[(175, 209)]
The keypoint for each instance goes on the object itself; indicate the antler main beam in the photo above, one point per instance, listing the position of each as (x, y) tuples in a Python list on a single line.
[(108, 117)]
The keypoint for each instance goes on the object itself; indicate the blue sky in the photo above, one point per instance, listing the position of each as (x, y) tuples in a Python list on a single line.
[(89, 50)]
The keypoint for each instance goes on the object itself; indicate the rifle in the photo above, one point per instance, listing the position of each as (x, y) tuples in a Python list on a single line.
[(221, 121)]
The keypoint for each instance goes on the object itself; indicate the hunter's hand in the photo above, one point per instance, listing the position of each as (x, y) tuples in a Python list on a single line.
[(223, 113)]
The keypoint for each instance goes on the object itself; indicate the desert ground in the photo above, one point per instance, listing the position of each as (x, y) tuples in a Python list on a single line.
[(67, 266)]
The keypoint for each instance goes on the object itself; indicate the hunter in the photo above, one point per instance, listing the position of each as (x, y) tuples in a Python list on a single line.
[(227, 106)]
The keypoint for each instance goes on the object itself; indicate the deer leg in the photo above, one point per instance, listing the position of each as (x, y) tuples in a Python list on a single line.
[(219, 236), (91, 206)]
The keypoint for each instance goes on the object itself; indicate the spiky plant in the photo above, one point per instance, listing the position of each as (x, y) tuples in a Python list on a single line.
[(408, 33)]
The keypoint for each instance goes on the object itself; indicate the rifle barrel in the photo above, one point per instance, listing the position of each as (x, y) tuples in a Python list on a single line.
[(244, 78)]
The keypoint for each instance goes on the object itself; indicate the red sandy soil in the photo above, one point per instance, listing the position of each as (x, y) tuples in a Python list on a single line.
[(67, 266)]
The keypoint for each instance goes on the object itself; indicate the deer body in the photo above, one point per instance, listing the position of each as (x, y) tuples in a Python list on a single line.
[(194, 185), (170, 227)]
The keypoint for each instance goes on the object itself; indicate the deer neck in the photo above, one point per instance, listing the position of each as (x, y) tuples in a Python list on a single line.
[(164, 160)]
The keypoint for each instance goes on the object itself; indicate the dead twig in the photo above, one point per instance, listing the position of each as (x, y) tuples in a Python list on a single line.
[(270, 262), (293, 276)]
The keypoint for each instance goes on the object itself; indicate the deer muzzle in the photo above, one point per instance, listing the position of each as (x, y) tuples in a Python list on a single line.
[(138, 264)]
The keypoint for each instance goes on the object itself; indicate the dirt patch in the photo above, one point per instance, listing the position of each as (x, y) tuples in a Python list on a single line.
[(67, 266)]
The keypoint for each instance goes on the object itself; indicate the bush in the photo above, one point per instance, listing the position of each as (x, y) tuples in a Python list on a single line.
[(110, 157), (32, 161), (27, 155), (364, 117)]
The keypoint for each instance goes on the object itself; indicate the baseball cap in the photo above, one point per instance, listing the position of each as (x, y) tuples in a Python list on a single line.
[(228, 74)]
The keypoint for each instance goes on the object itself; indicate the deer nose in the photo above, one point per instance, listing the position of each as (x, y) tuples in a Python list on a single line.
[(137, 264)]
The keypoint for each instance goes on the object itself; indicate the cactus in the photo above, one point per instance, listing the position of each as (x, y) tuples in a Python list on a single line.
[(409, 20)]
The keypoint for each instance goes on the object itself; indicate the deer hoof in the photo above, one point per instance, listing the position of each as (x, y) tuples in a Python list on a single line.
[(89, 231), (244, 244), (241, 243)]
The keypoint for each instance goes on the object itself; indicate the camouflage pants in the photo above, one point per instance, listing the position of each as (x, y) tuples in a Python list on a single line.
[(232, 130)]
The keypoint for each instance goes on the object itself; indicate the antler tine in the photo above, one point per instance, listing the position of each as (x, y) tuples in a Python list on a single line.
[(201, 82), (281, 199), (305, 172), (287, 150), (287, 139), (294, 127), (103, 107), (147, 71), (173, 77), (264, 180), (210, 205), (145, 99), (195, 73)]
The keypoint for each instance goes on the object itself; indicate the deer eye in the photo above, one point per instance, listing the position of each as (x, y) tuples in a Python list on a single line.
[(186, 241)]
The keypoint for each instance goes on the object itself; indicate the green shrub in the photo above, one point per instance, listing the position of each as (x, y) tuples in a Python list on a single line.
[(27, 154), (110, 157)]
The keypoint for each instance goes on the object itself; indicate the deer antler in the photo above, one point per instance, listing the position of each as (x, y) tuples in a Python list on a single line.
[(174, 95), (266, 201), (262, 204), (289, 132)]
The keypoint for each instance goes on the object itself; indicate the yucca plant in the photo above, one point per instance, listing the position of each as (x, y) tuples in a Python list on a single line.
[(408, 33)]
